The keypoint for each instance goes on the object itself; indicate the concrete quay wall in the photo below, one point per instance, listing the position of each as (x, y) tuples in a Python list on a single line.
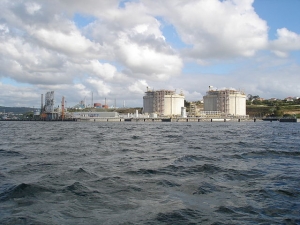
[(162, 119)]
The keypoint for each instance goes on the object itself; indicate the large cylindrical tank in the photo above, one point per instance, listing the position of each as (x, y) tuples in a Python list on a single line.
[(183, 112), (97, 105), (136, 113)]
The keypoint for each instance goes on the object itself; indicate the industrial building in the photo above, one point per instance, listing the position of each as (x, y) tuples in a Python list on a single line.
[(47, 110), (226, 101), (163, 102), (96, 116)]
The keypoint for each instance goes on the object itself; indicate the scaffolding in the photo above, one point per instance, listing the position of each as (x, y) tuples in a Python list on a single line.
[(158, 103), (223, 99), (193, 109)]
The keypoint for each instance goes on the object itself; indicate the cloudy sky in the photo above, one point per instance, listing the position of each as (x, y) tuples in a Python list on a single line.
[(115, 49)]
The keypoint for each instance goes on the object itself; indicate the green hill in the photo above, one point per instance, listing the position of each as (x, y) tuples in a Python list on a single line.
[(15, 110)]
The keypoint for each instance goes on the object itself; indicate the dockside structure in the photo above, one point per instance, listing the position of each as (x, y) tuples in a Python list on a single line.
[(163, 102), (226, 101)]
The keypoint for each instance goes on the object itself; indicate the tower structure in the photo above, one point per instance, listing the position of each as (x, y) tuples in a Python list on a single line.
[(42, 103), (226, 101), (49, 102), (63, 108), (163, 102)]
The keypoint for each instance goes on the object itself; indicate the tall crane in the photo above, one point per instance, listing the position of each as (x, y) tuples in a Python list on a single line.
[(63, 108)]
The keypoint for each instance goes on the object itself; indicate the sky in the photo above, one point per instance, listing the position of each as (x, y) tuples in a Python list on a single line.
[(112, 50)]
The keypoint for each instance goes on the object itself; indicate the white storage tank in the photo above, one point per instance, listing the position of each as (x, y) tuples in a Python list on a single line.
[(163, 102), (183, 112), (227, 101)]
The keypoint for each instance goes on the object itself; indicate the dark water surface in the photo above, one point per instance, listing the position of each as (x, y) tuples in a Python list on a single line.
[(149, 173)]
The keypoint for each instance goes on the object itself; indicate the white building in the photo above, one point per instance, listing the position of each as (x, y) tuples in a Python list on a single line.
[(227, 101), (163, 102)]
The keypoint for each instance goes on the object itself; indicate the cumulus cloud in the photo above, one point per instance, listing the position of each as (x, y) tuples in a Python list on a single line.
[(124, 47), (139, 45), (138, 87), (32, 7), (287, 41), (192, 96), (147, 62), (19, 96), (215, 29), (70, 43), (99, 86)]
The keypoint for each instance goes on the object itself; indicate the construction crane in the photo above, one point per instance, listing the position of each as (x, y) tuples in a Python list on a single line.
[(63, 108)]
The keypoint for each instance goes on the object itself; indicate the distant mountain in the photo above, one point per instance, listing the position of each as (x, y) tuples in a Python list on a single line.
[(15, 110)]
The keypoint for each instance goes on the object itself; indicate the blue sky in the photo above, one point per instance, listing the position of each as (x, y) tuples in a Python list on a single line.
[(279, 14), (77, 48)]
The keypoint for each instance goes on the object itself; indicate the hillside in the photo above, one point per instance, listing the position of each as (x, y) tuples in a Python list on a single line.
[(264, 110), (15, 110)]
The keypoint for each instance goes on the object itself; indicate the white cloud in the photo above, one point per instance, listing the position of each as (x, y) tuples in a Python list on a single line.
[(124, 49), (192, 96), (147, 62), (104, 71), (3, 29), (98, 85), (215, 29), (137, 44), (17, 96), (66, 39), (32, 7), (138, 87), (287, 41)]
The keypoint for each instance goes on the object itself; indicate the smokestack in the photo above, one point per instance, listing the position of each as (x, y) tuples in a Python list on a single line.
[(42, 103), (92, 99), (63, 108)]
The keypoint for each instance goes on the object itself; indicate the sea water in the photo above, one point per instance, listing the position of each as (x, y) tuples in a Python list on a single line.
[(149, 173)]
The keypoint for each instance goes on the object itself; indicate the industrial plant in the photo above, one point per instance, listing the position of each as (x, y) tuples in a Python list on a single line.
[(158, 105), (163, 102), (227, 102)]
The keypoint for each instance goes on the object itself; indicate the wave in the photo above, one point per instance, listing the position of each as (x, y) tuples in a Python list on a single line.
[(173, 136), (167, 183), (2, 174), (181, 216), (240, 175), (206, 168), (79, 174), (135, 137), (111, 184), (4, 153), (224, 209), (79, 189), (144, 172), (23, 190), (20, 220), (289, 193), (188, 158), (269, 153), (206, 188), (177, 170)]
